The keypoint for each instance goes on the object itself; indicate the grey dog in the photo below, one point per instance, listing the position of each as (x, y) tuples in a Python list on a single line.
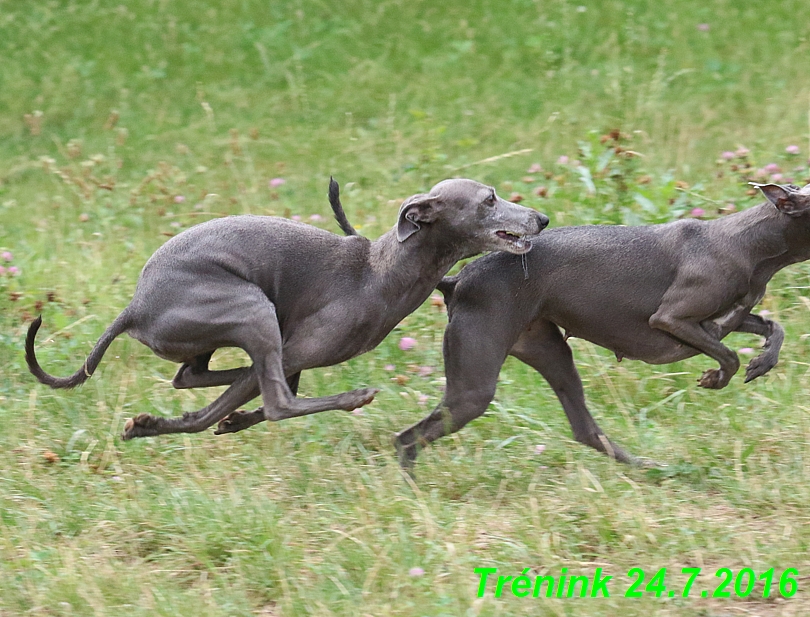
[(293, 297), (658, 293)]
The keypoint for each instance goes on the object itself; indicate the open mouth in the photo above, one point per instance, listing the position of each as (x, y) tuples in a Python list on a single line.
[(517, 243)]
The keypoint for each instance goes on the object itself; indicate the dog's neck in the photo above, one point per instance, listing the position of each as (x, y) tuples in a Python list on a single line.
[(406, 272), (768, 235), (772, 240)]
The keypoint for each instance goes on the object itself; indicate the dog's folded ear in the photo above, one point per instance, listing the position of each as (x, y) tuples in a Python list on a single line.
[(413, 211), (787, 199)]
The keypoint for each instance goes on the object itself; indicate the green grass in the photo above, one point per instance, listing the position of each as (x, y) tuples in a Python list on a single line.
[(123, 123)]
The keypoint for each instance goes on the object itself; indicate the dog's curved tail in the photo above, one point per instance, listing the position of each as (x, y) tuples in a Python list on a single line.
[(447, 286), (337, 208), (117, 327)]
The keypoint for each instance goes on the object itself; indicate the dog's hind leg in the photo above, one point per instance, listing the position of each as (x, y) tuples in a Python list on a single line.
[(543, 347), (474, 350), (243, 390), (196, 374)]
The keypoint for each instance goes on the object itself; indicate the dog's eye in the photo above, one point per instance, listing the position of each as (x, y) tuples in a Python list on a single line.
[(490, 201)]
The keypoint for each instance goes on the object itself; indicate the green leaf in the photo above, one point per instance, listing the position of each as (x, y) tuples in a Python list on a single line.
[(646, 204)]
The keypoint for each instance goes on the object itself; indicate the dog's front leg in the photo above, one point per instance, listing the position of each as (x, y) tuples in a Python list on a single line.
[(240, 420), (774, 336), (688, 330)]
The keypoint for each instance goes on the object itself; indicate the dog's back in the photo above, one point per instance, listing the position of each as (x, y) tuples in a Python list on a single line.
[(600, 283)]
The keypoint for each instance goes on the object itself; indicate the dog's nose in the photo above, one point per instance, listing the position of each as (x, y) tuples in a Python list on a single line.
[(542, 221)]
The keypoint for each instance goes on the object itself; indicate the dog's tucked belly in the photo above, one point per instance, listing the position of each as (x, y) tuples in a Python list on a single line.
[(634, 340), (173, 351)]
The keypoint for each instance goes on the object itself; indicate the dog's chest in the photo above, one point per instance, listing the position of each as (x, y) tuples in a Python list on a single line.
[(333, 334), (729, 320)]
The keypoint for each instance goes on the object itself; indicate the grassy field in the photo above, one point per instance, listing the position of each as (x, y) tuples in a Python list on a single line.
[(124, 123)]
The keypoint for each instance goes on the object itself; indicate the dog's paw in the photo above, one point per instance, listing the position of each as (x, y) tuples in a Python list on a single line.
[(239, 421), (406, 454), (714, 379), (643, 462), (142, 425), (359, 398), (759, 366)]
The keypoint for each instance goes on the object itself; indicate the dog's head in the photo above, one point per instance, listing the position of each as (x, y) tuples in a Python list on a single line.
[(470, 213), (788, 198), (793, 204)]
